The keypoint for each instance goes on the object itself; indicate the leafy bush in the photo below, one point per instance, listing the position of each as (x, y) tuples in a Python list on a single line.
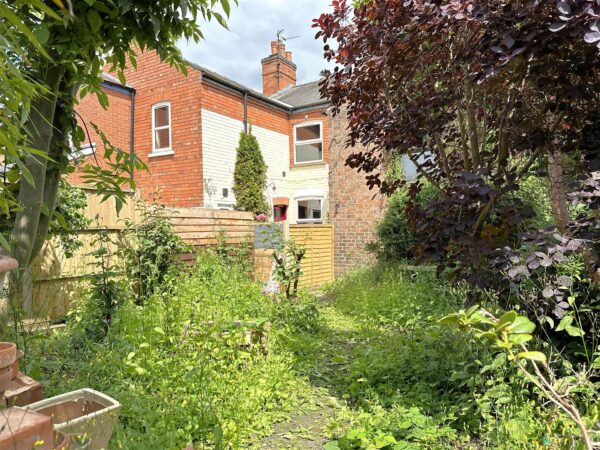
[(395, 235), (153, 248), (250, 176), (69, 218)]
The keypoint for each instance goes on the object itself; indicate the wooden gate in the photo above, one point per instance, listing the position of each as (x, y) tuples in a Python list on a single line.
[(317, 265)]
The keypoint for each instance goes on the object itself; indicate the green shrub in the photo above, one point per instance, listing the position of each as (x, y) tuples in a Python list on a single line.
[(250, 176), (152, 248), (395, 235)]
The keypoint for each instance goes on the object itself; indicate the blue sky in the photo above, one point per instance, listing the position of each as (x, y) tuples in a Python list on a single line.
[(253, 24)]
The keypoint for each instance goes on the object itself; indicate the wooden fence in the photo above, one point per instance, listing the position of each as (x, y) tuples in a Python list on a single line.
[(317, 265), (58, 280)]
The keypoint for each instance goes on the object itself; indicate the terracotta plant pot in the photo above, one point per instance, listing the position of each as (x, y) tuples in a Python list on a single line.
[(15, 366), (61, 441), (8, 353), (5, 378), (21, 429), (22, 391)]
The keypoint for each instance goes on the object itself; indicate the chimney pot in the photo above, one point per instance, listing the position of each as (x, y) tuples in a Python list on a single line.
[(278, 70)]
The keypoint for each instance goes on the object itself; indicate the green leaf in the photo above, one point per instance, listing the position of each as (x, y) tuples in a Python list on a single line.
[(42, 34), (520, 338), (472, 310), (220, 19), (533, 356), (506, 319), (226, 7), (19, 25), (521, 325), (449, 320), (93, 18), (565, 322)]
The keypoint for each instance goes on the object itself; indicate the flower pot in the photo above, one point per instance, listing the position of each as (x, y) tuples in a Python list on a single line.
[(84, 411), (21, 429), (15, 366), (61, 441), (5, 378), (22, 391), (8, 353)]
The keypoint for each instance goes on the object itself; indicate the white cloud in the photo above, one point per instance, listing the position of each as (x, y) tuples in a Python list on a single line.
[(236, 53)]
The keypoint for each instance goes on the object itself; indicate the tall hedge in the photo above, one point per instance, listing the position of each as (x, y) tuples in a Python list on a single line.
[(250, 176)]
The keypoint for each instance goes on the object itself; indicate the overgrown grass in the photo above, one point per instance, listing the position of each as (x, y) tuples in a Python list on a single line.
[(405, 381), (181, 365), (188, 372)]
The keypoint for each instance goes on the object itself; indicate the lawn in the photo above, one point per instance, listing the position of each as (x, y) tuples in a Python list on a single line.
[(210, 362)]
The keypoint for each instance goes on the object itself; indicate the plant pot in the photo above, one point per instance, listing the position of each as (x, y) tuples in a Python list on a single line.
[(5, 378), (8, 353), (84, 411), (22, 391), (15, 366), (21, 429), (61, 441)]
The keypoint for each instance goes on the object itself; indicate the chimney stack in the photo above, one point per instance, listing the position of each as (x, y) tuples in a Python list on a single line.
[(278, 70)]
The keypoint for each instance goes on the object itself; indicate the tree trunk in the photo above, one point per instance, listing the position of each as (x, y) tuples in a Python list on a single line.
[(57, 151), (31, 195), (472, 125), (558, 190)]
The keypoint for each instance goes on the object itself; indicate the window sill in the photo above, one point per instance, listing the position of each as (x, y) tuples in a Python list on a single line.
[(308, 164), (165, 153)]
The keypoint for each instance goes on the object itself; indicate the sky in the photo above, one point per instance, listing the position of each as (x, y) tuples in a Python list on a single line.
[(253, 24)]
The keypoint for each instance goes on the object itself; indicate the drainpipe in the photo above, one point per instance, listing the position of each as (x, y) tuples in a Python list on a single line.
[(245, 112), (131, 127)]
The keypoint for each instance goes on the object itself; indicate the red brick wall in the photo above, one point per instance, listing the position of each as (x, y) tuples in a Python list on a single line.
[(231, 104), (352, 209), (176, 178), (113, 122)]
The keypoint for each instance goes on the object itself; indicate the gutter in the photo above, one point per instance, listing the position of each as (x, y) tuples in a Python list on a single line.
[(247, 92), (132, 128)]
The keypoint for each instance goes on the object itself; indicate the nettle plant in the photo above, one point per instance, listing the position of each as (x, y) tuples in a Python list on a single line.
[(512, 334)]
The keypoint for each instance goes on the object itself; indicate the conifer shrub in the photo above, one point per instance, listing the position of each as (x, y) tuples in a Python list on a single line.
[(250, 176)]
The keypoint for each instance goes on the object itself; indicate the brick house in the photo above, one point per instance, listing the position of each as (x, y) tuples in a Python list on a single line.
[(186, 129)]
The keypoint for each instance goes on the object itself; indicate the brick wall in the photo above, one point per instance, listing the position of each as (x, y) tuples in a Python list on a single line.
[(352, 209), (176, 178), (114, 123)]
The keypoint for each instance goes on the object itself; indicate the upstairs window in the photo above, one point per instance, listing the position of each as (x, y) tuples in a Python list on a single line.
[(161, 128), (310, 210), (308, 143)]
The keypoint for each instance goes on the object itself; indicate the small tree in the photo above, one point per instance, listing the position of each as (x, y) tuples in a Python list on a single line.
[(250, 176)]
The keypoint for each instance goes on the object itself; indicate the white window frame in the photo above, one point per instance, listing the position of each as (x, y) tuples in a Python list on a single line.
[(316, 221), (310, 141), (161, 151)]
